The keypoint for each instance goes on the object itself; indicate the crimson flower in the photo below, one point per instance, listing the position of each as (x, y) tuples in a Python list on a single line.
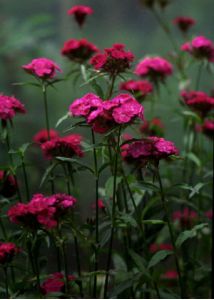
[(186, 217), (7, 252), (55, 283), (184, 23), (157, 247), (208, 128), (42, 136), (9, 107), (80, 12), (153, 127), (8, 185), (139, 88)]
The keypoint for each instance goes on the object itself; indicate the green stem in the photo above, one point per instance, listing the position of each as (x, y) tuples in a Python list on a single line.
[(111, 87), (25, 180), (198, 79), (6, 282), (34, 265), (4, 232), (44, 91), (65, 266)]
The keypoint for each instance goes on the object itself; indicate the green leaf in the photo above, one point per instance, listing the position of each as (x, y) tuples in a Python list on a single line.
[(119, 263), (158, 257), (73, 160), (196, 189), (62, 119), (191, 156), (110, 185), (97, 88), (192, 115), (47, 173), (121, 288), (153, 222), (138, 260), (189, 234)]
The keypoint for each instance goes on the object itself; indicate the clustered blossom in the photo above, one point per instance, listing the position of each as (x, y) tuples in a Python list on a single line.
[(155, 68), (139, 88), (55, 283), (78, 50), (9, 107), (41, 211), (186, 217), (184, 23), (198, 101), (208, 128), (80, 12), (7, 252), (157, 247), (104, 115), (66, 146), (200, 47), (114, 60), (43, 68), (153, 127), (8, 185), (42, 136)]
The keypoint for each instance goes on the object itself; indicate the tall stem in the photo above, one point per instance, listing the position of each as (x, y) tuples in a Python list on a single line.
[(25, 180), (198, 78), (111, 87), (6, 282), (44, 91)]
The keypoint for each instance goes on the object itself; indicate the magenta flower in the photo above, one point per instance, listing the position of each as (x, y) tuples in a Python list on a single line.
[(43, 68), (8, 185), (184, 23), (155, 68), (186, 217), (42, 136), (80, 12), (7, 252), (78, 50), (208, 128), (200, 47), (153, 127), (170, 275), (114, 60), (139, 88), (9, 107)]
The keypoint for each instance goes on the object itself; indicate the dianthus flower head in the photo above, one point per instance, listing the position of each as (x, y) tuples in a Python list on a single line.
[(42, 136), (42, 68), (186, 217), (184, 23), (9, 107), (200, 47), (155, 68), (78, 50), (153, 127), (114, 60), (8, 185), (198, 101), (139, 88), (208, 128), (157, 247), (66, 146), (7, 252), (80, 12)]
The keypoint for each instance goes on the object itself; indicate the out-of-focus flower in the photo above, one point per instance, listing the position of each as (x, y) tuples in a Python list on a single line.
[(184, 23), (200, 47), (154, 127), (55, 283), (43, 68), (78, 50), (208, 128), (7, 252), (66, 146), (9, 107), (139, 88), (114, 60), (155, 68), (80, 13), (186, 217), (170, 274), (209, 214), (42, 136), (8, 185), (101, 204), (157, 247)]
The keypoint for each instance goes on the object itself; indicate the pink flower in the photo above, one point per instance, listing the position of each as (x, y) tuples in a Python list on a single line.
[(43, 68), (55, 283), (9, 106), (157, 247), (200, 47), (8, 185), (208, 128), (170, 274), (7, 252), (155, 68), (80, 12), (184, 23), (78, 50), (153, 127), (186, 217), (114, 60), (42, 136), (101, 204), (66, 146), (140, 88)]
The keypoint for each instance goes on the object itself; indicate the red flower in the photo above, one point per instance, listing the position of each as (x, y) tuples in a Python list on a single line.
[(186, 217), (200, 47), (157, 247), (208, 128), (55, 283), (184, 23), (78, 50), (43, 68), (8, 185), (80, 12), (114, 60), (9, 106), (170, 274), (209, 214), (7, 252), (42, 136), (101, 204), (140, 88), (66, 146), (154, 127)]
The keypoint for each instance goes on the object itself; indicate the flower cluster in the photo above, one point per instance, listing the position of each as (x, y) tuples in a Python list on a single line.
[(7, 252), (43, 68), (9, 106), (184, 23), (139, 88), (80, 12), (41, 211), (200, 47), (155, 68), (8, 185), (153, 127), (78, 50), (186, 217), (114, 60), (157, 247), (55, 283), (43, 136), (104, 115), (66, 146)]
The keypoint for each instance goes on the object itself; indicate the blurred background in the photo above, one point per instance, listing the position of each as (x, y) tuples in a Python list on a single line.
[(35, 28)]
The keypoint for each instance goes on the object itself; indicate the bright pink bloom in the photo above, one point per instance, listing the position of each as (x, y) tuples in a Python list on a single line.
[(8, 185), (153, 127), (184, 23), (139, 88), (114, 60), (55, 283), (43, 68), (186, 217), (208, 128), (42, 136), (200, 47), (9, 106), (155, 68), (78, 50), (66, 146), (7, 252), (80, 12), (157, 247)]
